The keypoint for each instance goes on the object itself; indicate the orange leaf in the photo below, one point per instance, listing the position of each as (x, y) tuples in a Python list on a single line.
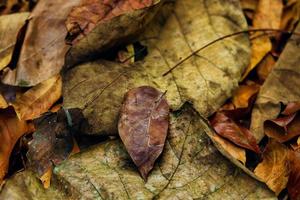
[(237, 134), (274, 169), (265, 67), (294, 179), (3, 103), (263, 18), (46, 178), (243, 94), (38, 99), (11, 129)]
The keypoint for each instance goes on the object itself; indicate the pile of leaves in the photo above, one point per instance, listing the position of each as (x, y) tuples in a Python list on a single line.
[(149, 92)]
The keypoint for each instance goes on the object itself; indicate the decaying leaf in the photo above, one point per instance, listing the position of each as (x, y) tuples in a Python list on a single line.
[(38, 99), (291, 108), (281, 86), (11, 129), (234, 132), (294, 180), (263, 18), (283, 129), (206, 79), (43, 50), (52, 142), (102, 23), (9, 28), (274, 170), (143, 126), (243, 95), (190, 168)]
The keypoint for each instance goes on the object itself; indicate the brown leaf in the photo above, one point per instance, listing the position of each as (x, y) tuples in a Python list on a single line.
[(97, 25), (43, 51), (143, 126), (38, 99), (263, 18), (12, 6), (290, 15), (85, 17), (265, 67), (291, 108), (284, 128), (237, 134), (274, 169), (233, 150), (294, 179), (281, 86), (9, 28), (11, 129), (243, 94), (3, 103)]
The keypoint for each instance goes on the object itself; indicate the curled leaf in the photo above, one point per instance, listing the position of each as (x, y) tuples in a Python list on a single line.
[(291, 108), (283, 129), (274, 170), (243, 95), (143, 126), (234, 132)]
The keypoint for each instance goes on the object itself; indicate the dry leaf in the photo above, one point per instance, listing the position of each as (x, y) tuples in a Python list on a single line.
[(189, 168), (234, 132), (38, 99), (207, 79), (234, 151), (290, 15), (12, 6), (11, 130), (265, 67), (243, 94), (291, 108), (281, 86), (274, 170), (283, 129), (143, 126), (263, 18), (46, 178), (9, 29), (294, 180), (3, 103)]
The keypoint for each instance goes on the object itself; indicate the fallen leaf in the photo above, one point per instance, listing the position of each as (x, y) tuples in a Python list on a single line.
[(38, 99), (294, 179), (3, 103), (281, 86), (291, 108), (44, 50), (290, 15), (243, 94), (265, 67), (9, 28), (249, 4), (51, 144), (12, 6), (143, 126), (283, 129), (24, 185), (189, 168), (11, 130), (234, 132), (97, 25), (234, 151), (206, 80), (263, 18), (274, 170), (46, 178)]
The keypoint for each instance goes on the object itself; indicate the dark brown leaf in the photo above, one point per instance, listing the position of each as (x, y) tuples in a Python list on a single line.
[(291, 108), (234, 132), (143, 126), (294, 179), (283, 128)]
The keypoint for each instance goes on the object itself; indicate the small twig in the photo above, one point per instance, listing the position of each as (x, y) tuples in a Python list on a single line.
[(224, 37)]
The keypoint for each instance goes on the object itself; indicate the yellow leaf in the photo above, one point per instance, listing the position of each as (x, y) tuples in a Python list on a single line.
[(46, 178), (11, 129), (38, 99), (3, 103), (274, 169)]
